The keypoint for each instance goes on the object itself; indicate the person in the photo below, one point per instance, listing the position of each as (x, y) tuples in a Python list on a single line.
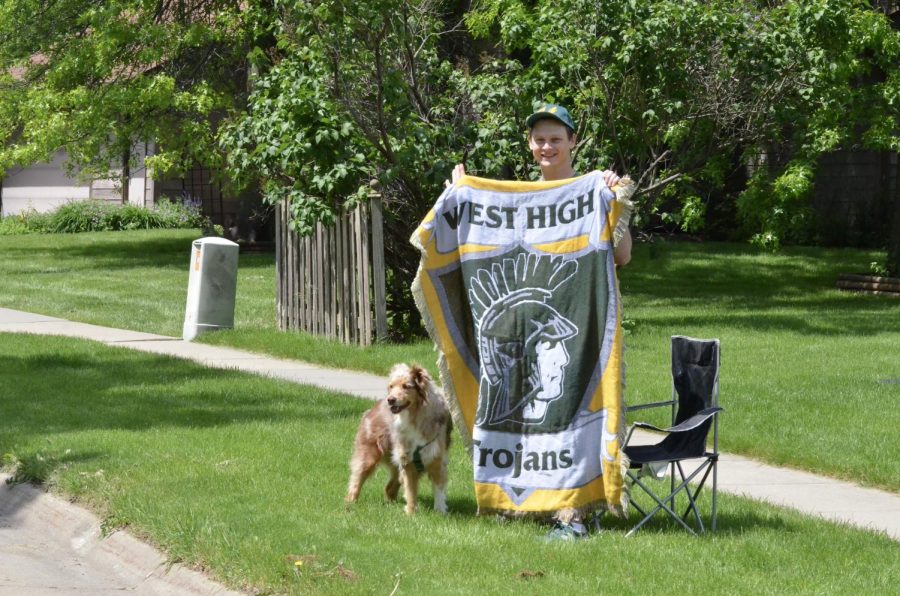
[(551, 139)]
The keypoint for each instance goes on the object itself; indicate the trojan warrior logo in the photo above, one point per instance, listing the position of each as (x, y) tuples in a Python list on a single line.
[(521, 337)]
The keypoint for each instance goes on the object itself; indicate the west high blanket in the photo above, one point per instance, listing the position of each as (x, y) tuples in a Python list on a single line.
[(518, 289)]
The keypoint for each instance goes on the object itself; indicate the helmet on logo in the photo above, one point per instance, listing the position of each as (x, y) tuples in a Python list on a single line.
[(521, 338)]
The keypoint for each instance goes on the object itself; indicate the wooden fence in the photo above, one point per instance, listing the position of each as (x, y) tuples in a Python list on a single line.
[(331, 283)]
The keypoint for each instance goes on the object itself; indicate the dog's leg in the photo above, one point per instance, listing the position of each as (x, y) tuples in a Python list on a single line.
[(410, 487), (360, 470), (437, 471), (393, 485)]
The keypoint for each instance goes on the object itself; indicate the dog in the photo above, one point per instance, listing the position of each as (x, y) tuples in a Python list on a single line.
[(409, 432)]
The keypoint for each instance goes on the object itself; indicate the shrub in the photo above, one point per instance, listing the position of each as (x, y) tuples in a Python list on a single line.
[(779, 207), (100, 216), (27, 222), (13, 226), (179, 214), (81, 216), (132, 217)]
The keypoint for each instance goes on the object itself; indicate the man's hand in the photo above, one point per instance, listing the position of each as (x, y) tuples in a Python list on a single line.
[(610, 177), (458, 172)]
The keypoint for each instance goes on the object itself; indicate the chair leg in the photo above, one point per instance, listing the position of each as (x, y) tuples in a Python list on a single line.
[(660, 504), (712, 465), (692, 502), (692, 506), (672, 483), (632, 503), (715, 467)]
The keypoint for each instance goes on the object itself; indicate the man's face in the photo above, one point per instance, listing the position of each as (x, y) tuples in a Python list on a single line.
[(552, 358), (550, 143)]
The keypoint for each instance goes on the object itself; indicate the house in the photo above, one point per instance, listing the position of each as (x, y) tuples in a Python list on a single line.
[(43, 187)]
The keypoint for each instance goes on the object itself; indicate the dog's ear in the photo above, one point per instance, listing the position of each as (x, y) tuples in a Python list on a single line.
[(421, 379)]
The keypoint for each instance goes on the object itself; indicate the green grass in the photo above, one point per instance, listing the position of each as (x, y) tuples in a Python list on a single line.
[(138, 280), (244, 476), (809, 374), (377, 359), (132, 280)]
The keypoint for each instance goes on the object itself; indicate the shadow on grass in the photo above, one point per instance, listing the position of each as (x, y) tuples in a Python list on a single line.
[(843, 319), (733, 286), (34, 469), (63, 387), (728, 523), (106, 250), (460, 505)]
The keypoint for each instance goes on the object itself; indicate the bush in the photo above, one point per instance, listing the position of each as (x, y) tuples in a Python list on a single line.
[(177, 214), (27, 222), (100, 216), (81, 216), (779, 208), (13, 226)]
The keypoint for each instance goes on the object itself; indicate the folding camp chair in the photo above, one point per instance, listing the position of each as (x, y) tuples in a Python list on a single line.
[(695, 405)]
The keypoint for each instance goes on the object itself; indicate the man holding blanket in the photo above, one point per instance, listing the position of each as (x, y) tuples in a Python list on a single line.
[(518, 289), (551, 138)]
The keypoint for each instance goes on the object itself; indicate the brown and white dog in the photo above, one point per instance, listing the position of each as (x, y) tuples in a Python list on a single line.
[(409, 432)]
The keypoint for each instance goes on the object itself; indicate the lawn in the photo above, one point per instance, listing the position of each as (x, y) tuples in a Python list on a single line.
[(244, 477), (810, 375)]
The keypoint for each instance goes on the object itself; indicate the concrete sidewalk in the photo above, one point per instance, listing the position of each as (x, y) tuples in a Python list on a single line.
[(815, 495)]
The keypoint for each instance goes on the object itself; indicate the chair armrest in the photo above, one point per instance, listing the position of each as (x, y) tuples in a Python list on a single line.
[(648, 426), (695, 420), (639, 425), (655, 404)]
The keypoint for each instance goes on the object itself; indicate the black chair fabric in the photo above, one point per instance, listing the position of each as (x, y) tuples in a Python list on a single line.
[(695, 374)]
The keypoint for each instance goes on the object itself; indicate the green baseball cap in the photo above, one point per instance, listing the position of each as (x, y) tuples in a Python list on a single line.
[(551, 111)]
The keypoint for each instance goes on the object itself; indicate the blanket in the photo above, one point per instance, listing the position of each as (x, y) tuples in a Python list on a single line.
[(517, 287)]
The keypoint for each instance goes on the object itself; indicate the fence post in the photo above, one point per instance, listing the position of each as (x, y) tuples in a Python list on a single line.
[(330, 282), (279, 267), (377, 222)]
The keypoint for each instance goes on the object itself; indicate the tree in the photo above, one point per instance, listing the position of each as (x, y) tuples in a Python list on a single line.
[(671, 90), (354, 93), (677, 93), (681, 94), (93, 78)]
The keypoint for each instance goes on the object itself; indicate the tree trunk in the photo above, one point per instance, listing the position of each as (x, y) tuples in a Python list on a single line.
[(126, 174)]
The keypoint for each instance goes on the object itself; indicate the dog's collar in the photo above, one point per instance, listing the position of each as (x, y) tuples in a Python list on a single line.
[(417, 456)]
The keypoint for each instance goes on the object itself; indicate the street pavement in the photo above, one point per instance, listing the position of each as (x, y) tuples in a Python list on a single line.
[(48, 545)]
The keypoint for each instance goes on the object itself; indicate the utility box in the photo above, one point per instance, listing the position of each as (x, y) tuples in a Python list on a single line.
[(211, 287)]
